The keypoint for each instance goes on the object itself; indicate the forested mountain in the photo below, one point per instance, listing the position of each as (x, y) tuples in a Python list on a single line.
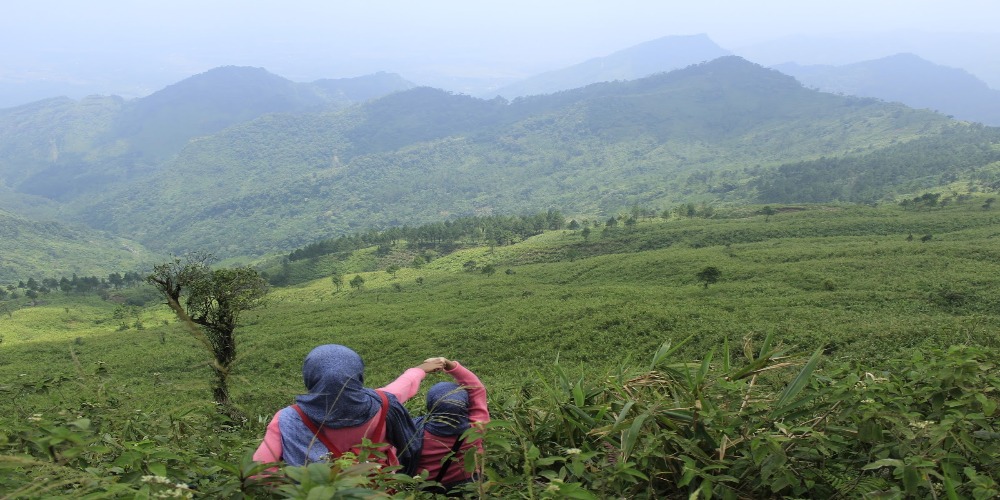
[(267, 181), (656, 56), (62, 149), (908, 79), (697, 134)]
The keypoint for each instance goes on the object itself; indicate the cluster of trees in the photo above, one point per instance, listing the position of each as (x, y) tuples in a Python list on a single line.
[(931, 200), (33, 288), (492, 230)]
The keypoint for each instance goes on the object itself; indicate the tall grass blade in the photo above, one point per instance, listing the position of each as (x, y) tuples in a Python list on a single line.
[(765, 348), (799, 383), (631, 436)]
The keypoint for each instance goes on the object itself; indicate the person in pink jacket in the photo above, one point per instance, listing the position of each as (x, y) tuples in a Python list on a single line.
[(452, 408), (339, 411)]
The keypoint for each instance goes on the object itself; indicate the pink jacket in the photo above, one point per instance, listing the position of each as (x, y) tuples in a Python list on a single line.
[(437, 447)]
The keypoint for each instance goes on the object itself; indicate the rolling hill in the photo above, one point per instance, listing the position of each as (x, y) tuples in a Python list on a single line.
[(35, 249), (63, 149)]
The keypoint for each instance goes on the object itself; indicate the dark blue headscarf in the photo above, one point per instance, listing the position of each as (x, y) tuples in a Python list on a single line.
[(337, 397), (447, 410)]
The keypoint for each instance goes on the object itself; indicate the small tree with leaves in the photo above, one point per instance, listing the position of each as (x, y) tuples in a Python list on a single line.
[(210, 301), (357, 282), (768, 211), (392, 270), (337, 279), (709, 275)]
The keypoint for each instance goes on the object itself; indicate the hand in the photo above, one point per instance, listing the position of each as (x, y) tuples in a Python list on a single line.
[(433, 364)]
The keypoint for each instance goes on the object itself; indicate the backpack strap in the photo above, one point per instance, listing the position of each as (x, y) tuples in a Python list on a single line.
[(380, 423), (316, 432), (451, 458)]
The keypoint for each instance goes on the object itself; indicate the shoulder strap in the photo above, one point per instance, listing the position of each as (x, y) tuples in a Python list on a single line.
[(380, 423), (380, 431), (316, 432), (451, 458)]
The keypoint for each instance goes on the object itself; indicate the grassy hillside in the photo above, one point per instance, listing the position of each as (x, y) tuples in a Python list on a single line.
[(33, 249), (865, 285)]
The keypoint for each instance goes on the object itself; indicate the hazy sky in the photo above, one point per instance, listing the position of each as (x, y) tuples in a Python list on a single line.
[(108, 41)]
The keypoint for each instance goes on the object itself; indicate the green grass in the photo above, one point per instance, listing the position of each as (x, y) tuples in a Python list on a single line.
[(845, 278)]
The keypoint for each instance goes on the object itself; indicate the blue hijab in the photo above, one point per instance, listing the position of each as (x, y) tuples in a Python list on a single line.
[(447, 410), (336, 398)]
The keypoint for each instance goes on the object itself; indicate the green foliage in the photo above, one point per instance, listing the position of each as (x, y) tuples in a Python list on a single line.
[(959, 152), (675, 430)]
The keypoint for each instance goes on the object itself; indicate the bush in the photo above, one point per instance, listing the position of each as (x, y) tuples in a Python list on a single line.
[(758, 425)]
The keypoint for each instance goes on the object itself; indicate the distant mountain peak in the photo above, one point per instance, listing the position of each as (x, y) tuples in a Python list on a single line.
[(655, 56), (909, 79)]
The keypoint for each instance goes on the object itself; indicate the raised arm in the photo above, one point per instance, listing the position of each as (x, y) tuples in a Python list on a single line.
[(478, 411), (406, 385)]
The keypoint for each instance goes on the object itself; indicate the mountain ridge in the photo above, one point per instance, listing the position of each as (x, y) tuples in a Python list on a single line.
[(595, 149), (709, 133)]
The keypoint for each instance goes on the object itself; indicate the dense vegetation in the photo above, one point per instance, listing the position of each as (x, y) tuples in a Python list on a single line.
[(971, 154), (841, 350)]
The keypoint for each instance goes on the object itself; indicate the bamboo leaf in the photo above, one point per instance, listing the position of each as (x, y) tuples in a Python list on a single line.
[(705, 365), (766, 346), (578, 397), (799, 382), (885, 462), (631, 436), (625, 409)]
